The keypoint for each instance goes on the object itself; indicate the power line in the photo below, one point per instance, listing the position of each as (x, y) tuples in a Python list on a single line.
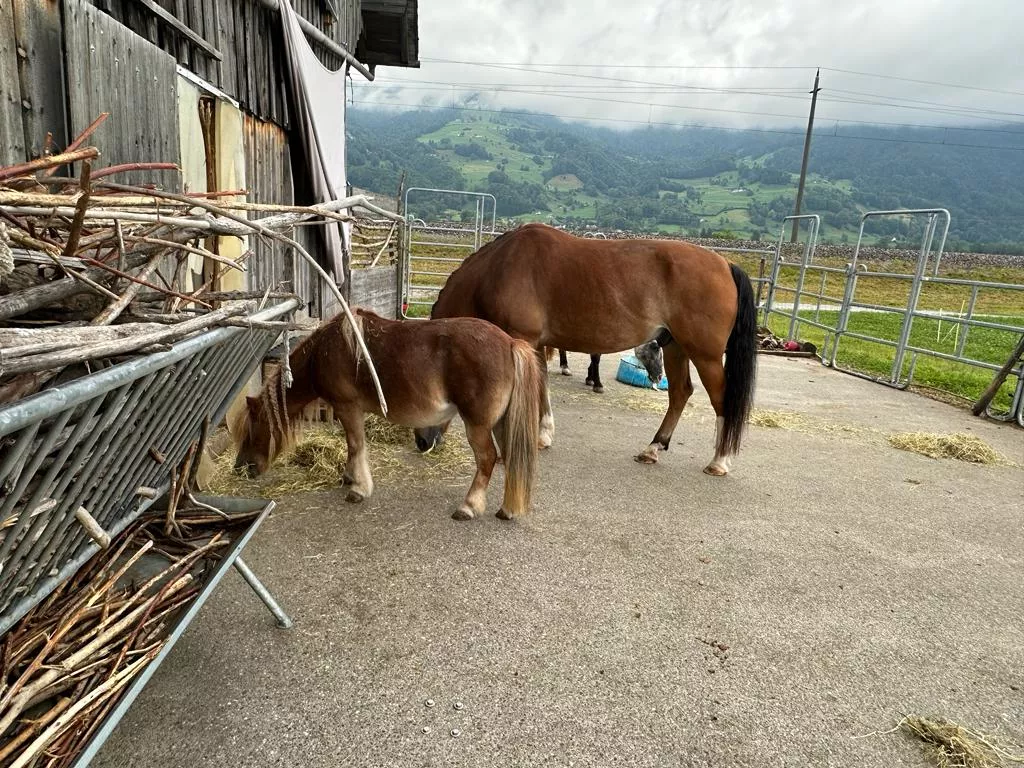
[(613, 66), (924, 82), (701, 126), (723, 67), (525, 68), (521, 90)]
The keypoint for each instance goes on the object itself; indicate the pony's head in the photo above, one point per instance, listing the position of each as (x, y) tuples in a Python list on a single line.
[(261, 430), (651, 357)]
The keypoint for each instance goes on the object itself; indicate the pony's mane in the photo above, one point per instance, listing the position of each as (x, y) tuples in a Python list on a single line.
[(273, 399)]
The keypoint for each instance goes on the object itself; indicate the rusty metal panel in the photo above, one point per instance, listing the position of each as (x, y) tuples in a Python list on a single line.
[(110, 69)]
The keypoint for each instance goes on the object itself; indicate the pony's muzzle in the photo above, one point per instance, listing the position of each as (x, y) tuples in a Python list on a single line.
[(428, 439), (245, 468)]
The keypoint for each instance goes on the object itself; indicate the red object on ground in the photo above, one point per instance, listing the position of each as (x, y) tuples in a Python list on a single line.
[(791, 346)]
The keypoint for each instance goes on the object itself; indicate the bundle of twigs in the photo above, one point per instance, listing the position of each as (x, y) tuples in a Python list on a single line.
[(82, 255), (64, 665)]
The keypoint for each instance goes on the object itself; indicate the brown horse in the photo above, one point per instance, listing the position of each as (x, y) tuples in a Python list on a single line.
[(624, 293), (429, 371)]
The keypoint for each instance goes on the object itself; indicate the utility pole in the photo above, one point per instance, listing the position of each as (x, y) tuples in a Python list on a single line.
[(807, 152)]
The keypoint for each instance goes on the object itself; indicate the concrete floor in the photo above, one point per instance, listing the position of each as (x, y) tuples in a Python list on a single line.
[(642, 616)]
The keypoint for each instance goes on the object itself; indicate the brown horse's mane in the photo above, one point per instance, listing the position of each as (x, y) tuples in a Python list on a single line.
[(273, 396)]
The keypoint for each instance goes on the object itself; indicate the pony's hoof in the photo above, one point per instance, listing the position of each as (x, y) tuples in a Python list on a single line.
[(463, 513), (566, 371), (598, 389), (354, 497), (715, 470), (588, 383), (501, 514), (648, 456)]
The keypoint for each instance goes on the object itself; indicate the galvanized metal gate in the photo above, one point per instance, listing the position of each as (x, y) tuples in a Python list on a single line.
[(814, 301), (107, 444), (434, 251)]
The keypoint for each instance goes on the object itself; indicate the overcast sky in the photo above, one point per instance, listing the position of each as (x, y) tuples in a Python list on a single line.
[(975, 43)]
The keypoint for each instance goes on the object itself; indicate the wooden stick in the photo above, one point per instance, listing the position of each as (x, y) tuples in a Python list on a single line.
[(115, 308), (108, 688), (52, 161), (125, 167), (93, 528), (33, 728), (83, 204), (134, 279), (166, 334), (81, 138), (997, 381)]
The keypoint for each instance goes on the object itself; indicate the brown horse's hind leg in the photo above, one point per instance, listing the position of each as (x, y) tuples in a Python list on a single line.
[(677, 368), (357, 469), (484, 452), (712, 376)]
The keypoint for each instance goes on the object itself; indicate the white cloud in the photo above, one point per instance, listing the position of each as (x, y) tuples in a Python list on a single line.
[(956, 41)]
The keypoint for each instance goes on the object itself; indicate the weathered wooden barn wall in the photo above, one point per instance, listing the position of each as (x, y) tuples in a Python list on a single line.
[(31, 96), (110, 69), (376, 288), (247, 36)]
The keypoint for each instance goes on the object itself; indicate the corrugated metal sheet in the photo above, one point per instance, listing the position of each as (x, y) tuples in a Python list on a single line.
[(110, 69)]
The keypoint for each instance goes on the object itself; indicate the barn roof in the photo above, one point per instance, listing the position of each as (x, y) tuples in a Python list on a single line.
[(390, 35)]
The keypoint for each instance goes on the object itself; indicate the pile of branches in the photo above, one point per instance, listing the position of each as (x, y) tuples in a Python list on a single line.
[(65, 664), (92, 270)]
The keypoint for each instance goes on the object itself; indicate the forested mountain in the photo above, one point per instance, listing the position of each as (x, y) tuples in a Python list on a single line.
[(694, 181)]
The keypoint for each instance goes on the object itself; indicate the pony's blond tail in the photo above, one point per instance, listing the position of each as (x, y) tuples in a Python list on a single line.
[(520, 435)]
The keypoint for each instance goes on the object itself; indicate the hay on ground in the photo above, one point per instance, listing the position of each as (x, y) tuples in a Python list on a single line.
[(959, 446), (952, 745), (317, 460)]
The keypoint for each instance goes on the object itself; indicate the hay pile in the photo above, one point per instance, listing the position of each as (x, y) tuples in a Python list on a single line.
[(959, 446), (317, 460), (951, 745), (798, 422)]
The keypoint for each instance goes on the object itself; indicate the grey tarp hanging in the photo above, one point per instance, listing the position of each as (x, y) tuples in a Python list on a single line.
[(318, 122)]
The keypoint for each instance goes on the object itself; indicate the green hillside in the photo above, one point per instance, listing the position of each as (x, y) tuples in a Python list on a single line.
[(692, 182)]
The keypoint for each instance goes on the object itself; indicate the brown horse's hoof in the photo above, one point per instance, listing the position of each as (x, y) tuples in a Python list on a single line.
[(715, 471), (598, 390), (501, 514), (463, 513), (354, 497), (648, 455), (566, 372)]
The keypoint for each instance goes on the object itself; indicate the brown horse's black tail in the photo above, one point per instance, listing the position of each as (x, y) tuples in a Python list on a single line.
[(740, 364)]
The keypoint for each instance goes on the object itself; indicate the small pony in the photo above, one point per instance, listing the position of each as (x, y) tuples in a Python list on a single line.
[(429, 370)]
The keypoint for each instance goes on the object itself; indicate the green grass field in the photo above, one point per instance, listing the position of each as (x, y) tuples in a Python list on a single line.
[(961, 380)]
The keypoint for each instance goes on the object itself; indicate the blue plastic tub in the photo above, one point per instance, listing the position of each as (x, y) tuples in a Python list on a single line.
[(631, 371)]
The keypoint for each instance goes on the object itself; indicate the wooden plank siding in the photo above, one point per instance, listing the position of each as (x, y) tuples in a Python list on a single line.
[(248, 35), (12, 132), (110, 69)]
